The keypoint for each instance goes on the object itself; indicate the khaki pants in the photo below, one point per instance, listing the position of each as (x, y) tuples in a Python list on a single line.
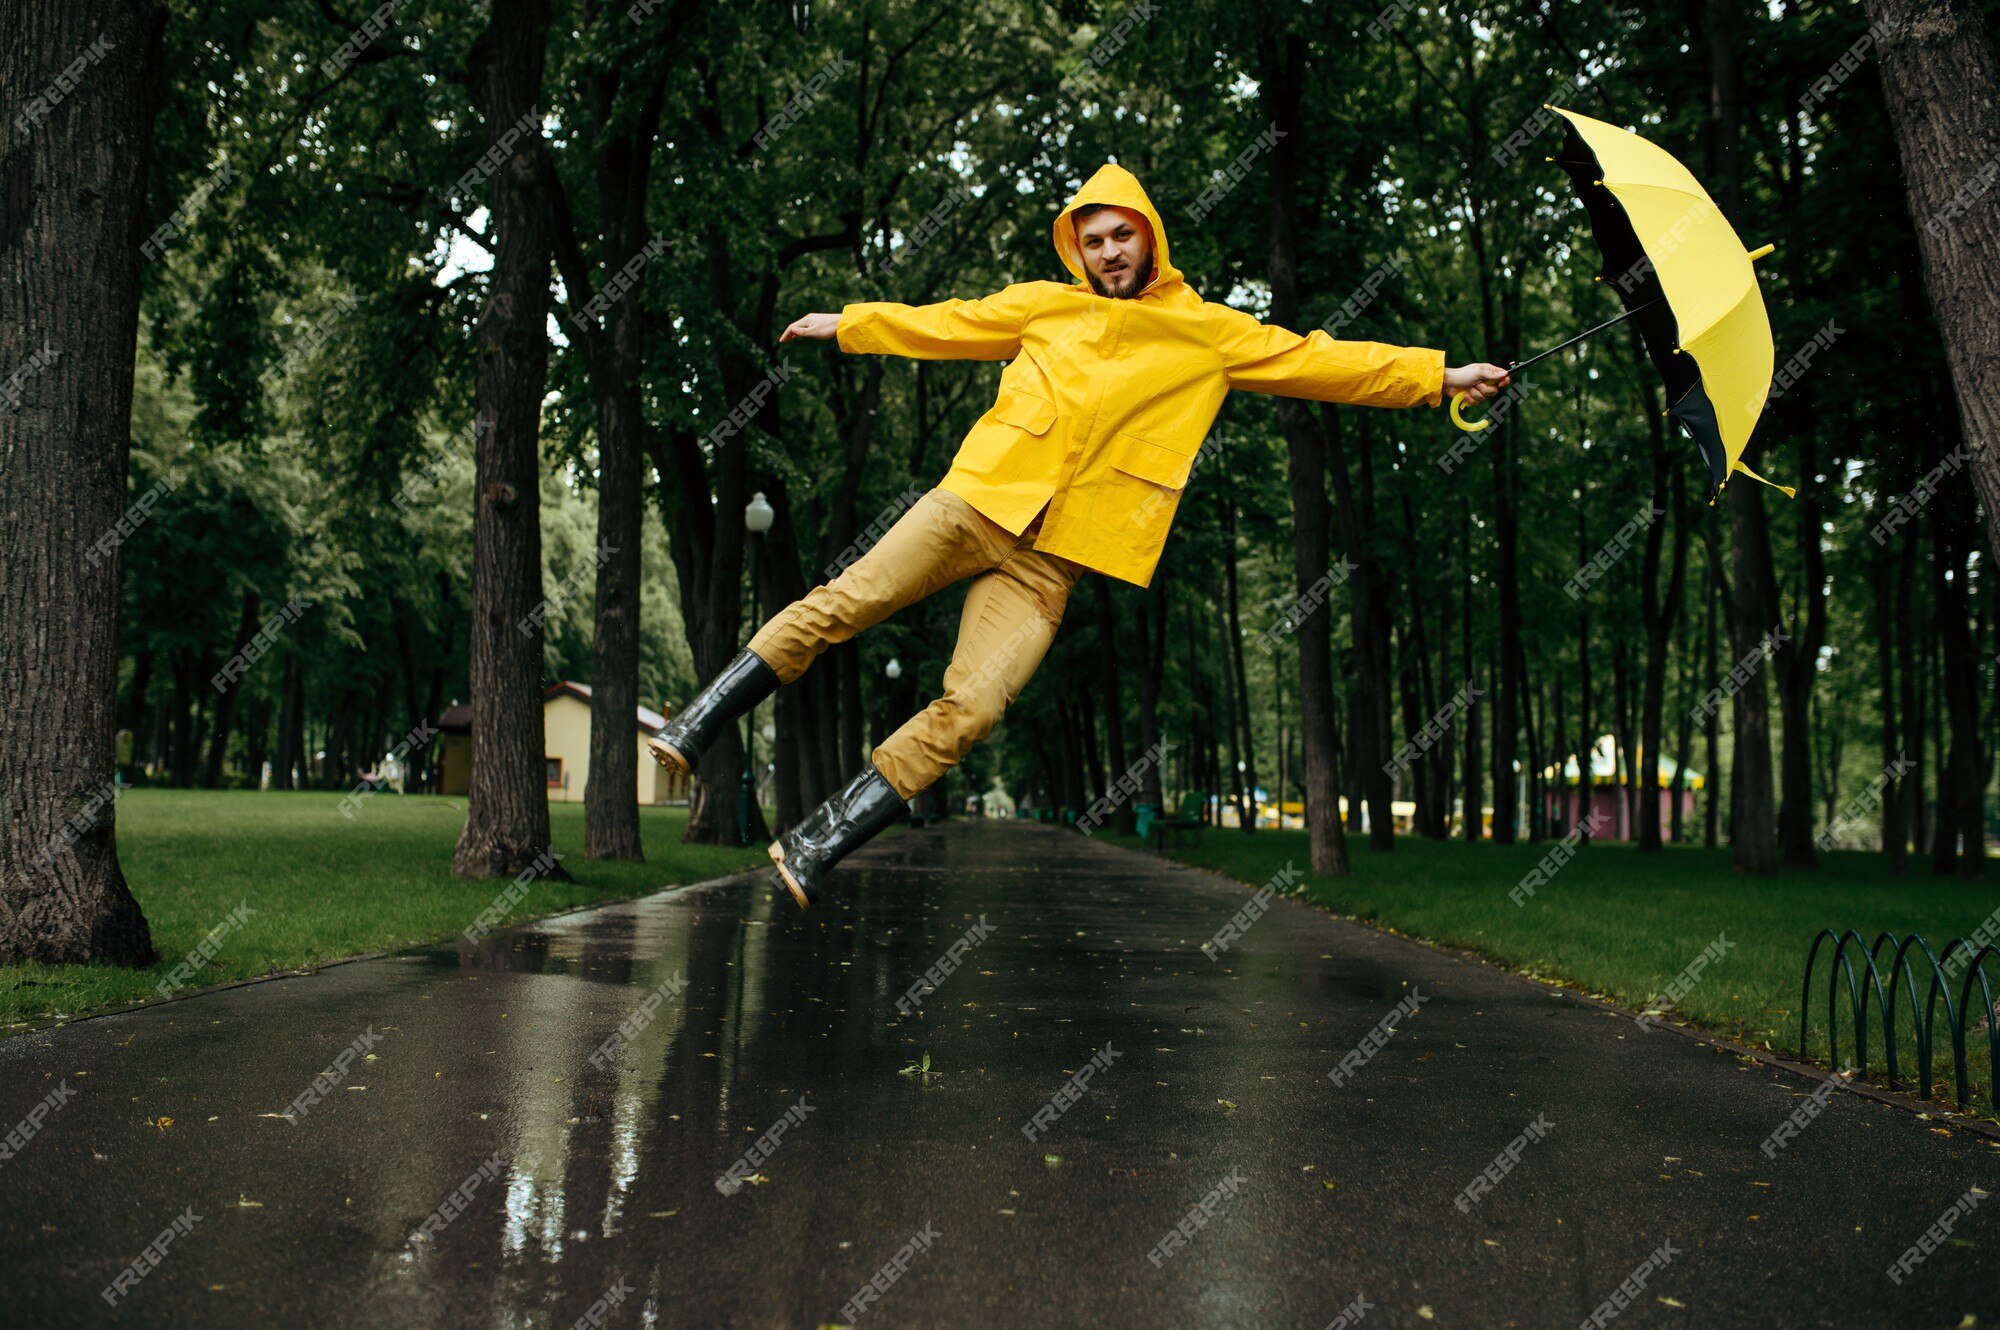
[(1011, 613)]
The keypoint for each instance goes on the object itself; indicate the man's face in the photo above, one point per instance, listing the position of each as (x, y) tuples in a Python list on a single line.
[(1117, 247)]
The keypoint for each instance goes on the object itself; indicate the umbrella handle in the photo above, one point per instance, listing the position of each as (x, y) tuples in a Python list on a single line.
[(1469, 426)]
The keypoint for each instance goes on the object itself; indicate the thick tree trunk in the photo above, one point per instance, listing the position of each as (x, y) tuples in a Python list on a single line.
[(1753, 609), (1941, 81), (1753, 615), (1312, 553), (72, 205), (507, 817), (611, 799)]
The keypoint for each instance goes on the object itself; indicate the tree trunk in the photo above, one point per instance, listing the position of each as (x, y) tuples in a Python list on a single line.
[(142, 677), (616, 357), (1367, 739), (1235, 778), (1233, 660), (1624, 762), (1882, 576), (1754, 608), (1586, 738), (180, 761), (1151, 639), (1941, 81), (1961, 838), (1657, 616), (1093, 756), (1114, 704), (1797, 666), (1507, 588), (284, 775), (225, 702), (1711, 811), (72, 212), (1475, 798), (1312, 554), (1909, 665), (507, 816)]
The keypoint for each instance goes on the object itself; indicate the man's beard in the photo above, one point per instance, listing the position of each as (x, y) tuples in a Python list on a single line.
[(1143, 273)]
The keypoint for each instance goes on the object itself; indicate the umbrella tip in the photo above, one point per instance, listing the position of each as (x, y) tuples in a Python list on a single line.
[(1760, 252)]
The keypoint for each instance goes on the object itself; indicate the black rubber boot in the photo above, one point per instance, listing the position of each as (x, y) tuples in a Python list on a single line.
[(855, 814), (742, 684)]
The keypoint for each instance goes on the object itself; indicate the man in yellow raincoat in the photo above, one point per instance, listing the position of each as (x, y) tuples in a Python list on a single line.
[(1111, 385)]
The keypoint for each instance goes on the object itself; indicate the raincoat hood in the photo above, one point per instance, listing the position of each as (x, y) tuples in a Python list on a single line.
[(1117, 186)]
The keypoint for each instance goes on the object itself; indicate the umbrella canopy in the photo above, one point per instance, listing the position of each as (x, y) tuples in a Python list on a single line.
[(1663, 236), (1683, 275)]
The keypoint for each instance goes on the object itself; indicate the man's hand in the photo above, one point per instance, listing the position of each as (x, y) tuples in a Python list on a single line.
[(821, 326), (1478, 381)]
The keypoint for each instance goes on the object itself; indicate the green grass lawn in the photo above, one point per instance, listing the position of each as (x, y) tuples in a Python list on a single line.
[(1624, 926), (322, 886)]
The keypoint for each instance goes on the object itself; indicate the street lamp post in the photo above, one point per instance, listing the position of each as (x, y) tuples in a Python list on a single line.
[(894, 671), (758, 515)]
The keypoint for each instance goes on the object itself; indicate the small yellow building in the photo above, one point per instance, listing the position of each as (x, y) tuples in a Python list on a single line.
[(566, 713)]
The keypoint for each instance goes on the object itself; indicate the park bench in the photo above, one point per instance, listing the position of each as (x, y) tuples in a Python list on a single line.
[(1189, 817)]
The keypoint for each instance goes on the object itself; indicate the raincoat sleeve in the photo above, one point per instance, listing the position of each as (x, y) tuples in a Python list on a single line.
[(1264, 358), (988, 328)]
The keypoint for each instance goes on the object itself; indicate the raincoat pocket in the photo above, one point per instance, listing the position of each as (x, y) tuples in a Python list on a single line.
[(1024, 410), (1139, 493), (1008, 443)]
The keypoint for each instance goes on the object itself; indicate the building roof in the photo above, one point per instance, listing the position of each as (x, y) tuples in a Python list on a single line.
[(651, 721), (457, 718)]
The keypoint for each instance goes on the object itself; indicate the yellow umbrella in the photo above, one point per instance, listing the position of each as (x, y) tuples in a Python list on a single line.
[(1681, 271)]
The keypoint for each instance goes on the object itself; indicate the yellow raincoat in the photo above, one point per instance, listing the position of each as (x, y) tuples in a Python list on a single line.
[(1106, 402)]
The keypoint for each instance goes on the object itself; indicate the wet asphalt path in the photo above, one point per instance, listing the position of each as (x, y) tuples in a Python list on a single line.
[(588, 1186)]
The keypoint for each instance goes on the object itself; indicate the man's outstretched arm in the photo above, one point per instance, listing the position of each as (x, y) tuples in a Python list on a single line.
[(1264, 358), (988, 328)]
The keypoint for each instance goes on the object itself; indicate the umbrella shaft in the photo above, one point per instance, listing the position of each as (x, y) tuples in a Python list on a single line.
[(1523, 364)]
